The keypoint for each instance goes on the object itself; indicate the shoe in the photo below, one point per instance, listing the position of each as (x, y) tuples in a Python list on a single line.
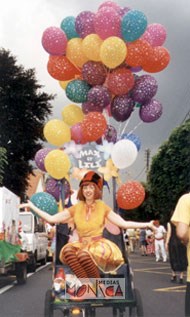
[(157, 260), (180, 281), (173, 279), (165, 260)]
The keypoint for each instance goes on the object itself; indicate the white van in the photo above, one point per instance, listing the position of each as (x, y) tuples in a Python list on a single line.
[(37, 239)]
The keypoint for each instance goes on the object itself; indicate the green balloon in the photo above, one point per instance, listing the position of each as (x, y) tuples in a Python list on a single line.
[(77, 90), (45, 202)]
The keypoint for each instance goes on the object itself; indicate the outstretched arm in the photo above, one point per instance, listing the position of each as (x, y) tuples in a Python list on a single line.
[(183, 232), (61, 217), (120, 222)]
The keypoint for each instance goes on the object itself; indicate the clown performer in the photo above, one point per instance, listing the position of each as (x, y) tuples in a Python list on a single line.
[(89, 215)]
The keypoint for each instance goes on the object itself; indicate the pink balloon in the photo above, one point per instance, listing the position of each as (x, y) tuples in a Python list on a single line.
[(107, 23), (76, 133), (109, 4), (54, 41), (155, 34)]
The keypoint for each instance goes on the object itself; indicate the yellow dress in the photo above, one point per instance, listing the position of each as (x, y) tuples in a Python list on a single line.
[(90, 225)]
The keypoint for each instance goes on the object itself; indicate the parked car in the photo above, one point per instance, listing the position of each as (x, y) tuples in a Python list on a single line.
[(37, 239)]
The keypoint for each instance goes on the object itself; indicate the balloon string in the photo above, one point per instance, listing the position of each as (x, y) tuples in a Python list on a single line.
[(126, 124), (135, 127), (119, 129), (106, 115)]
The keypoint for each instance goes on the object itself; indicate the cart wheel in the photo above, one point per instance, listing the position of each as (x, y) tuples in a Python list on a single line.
[(48, 309), (121, 312), (137, 311), (114, 312), (92, 312)]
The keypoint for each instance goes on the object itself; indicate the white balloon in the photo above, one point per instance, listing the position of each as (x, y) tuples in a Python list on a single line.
[(124, 153)]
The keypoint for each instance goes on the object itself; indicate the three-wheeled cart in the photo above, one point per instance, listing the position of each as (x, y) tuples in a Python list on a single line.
[(130, 305)]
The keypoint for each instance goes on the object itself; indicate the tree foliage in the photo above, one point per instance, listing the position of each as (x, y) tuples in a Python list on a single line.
[(23, 112), (169, 175)]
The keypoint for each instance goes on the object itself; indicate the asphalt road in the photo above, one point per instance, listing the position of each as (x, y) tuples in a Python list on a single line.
[(160, 297)]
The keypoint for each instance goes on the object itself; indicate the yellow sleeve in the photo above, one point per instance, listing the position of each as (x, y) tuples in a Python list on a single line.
[(182, 210)]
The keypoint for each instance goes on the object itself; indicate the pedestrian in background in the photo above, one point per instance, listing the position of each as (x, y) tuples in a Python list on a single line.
[(181, 218), (143, 242), (150, 249), (132, 239), (177, 253), (159, 237)]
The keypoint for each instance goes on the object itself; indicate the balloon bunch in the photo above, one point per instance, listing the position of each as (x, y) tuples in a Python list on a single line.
[(96, 57)]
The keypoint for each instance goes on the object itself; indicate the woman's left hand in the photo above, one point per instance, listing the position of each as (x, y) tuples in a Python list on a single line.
[(152, 226)]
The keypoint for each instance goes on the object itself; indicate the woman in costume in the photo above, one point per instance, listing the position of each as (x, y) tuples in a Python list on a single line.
[(91, 253)]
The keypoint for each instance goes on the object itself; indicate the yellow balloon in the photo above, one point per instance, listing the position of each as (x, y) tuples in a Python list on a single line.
[(57, 164), (64, 83), (75, 53), (57, 132), (72, 114), (91, 47), (113, 51)]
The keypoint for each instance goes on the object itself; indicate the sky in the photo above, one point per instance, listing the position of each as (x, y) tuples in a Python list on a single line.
[(22, 24)]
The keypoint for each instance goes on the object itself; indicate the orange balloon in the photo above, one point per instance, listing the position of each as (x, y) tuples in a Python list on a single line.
[(130, 195), (93, 126), (157, 61), (60, 68), (137, 51)]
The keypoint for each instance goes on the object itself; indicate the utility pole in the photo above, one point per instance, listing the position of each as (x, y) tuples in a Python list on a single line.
[(147, 159)]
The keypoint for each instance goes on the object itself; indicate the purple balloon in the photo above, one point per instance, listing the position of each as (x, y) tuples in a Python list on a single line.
[(84, 23), (150, 111), (144, 89), (123, 11), (122, 107), (90, 107), (110, 134), (54, 187), (94, 73), (39, 158), (99, 96)]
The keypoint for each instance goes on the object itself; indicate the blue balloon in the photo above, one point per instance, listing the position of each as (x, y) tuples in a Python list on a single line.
[(68, 26), (45, 202), (133, 25), (132, 137)]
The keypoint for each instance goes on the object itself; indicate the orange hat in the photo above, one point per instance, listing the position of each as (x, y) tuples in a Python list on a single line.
[(60, 274), (92, 177)]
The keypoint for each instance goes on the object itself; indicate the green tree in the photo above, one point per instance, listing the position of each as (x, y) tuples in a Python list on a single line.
[(23, 112), (169, 175), (3, 163)]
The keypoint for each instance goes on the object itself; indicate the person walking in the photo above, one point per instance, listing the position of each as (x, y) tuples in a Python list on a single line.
[(177, 253), (159, 237), (181, 219)]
